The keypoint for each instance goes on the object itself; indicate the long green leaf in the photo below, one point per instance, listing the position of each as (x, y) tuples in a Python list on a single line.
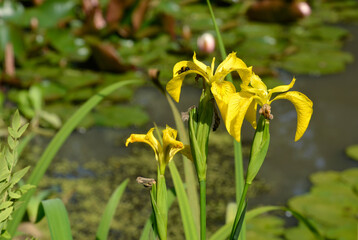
[(57, 142), (189, 171), (239, 180), (186, 214), (241, 221), (105, 223), (57, 219)]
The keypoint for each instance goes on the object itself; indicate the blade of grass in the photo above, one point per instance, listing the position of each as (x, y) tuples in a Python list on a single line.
[(239, 180), (105, 223), (185, 211), (241, 221), (55, 145), (57, 219), (189, 171)]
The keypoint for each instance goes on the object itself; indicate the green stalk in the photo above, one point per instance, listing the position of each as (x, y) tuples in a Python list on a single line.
[(218, 35), (239, 180), (239, 210), (239, 173), (189, 168), (220, 40), (203, 210)]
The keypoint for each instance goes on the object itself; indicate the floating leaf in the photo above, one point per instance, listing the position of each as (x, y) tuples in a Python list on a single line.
[(322, 62), (67, 44), (120, 116), (48, 14), (352, 152)]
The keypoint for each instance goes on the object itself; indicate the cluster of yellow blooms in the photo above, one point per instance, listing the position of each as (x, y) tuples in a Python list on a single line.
[(234, 106)]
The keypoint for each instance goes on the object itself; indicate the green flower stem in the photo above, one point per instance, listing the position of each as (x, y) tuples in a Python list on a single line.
[(220, 40), (239, 209), (203, 209)]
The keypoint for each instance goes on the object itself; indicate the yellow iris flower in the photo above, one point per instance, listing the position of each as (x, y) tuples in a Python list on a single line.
[(163, 153), (235, 106), (183, 68)]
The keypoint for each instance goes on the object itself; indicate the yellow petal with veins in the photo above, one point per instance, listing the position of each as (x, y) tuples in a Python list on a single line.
[(179, 73), (148, 139), (282, 88), (222, 92), (258, 84), (170, 145), (237, 108), (251, 114), (230, 64), (304, 109), (199, 64)]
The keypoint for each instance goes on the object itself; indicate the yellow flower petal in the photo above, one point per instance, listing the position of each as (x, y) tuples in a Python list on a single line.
[(222, 92), (170, 145), (257, 84), (148, 139), (251, 114), (230, 64), (199, 64), (282, 88), (304, 109), (237, 109), (180, 70), (174, 87), (245, 75), (185, 67)]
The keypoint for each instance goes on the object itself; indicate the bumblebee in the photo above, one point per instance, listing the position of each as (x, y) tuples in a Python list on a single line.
[(183, 69)]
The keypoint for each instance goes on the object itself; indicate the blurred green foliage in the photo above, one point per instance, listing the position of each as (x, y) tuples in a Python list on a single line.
[(72, 48)]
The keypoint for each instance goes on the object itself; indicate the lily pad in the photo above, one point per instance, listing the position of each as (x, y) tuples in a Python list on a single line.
[(74, 79), (299, 233), (321, 62), (120, 116), (67, 44), (332, 205), (65, 111), (265, 228), (52, 91), (352, 152), (48, 14), (80, 95)]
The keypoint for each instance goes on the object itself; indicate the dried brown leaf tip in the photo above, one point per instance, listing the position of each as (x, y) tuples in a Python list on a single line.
[(146, 182)]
